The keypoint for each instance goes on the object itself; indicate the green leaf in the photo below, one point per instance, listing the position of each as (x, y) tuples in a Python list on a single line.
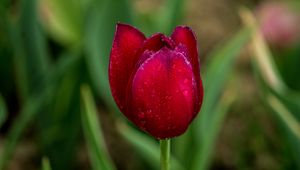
[(34, 44), (181, 147), (204, 153), (286, 110), (163, 20), (64, 24), (61, 117), (101, 22), (285, 115), (217, 72), (93, 134), (32, 106), (31, 58), (170, 15), (3, 111), (216, 75), (276, 94), (21, 72), (46, 164), (146, 147), (262, 54)]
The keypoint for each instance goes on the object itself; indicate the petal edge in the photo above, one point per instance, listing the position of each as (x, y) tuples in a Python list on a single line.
[(126, 43), (184, 35)]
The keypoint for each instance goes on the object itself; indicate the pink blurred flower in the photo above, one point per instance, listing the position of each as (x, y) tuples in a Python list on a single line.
[(279, 23)]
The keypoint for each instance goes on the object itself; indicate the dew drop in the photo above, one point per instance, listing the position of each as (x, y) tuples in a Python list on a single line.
[(141, 90), (168, 118), (141, 115), (173, 66), (185, 92), (167, 97)]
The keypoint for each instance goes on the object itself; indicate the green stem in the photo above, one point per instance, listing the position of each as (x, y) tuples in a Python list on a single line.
[(165, 154)]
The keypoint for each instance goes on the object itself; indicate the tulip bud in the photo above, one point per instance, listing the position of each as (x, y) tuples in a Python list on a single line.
[(156, 81), (280, 25)]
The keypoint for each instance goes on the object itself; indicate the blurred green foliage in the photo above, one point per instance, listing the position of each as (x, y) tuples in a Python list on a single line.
[(46, 164), (276, 93), (53, 73), (3, 111), (91, 126)]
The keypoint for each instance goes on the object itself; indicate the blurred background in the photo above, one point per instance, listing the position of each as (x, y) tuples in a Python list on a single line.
[(56, 110)]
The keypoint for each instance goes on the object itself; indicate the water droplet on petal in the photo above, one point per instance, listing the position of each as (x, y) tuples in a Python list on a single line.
[(141, 115), (185, 92)]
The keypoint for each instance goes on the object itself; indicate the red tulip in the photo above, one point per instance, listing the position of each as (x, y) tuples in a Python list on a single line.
[(156, 81)]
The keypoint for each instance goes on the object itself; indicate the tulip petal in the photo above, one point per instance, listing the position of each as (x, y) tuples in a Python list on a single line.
[(163, 94), (128, 40), (184, 35), (156, 42)]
